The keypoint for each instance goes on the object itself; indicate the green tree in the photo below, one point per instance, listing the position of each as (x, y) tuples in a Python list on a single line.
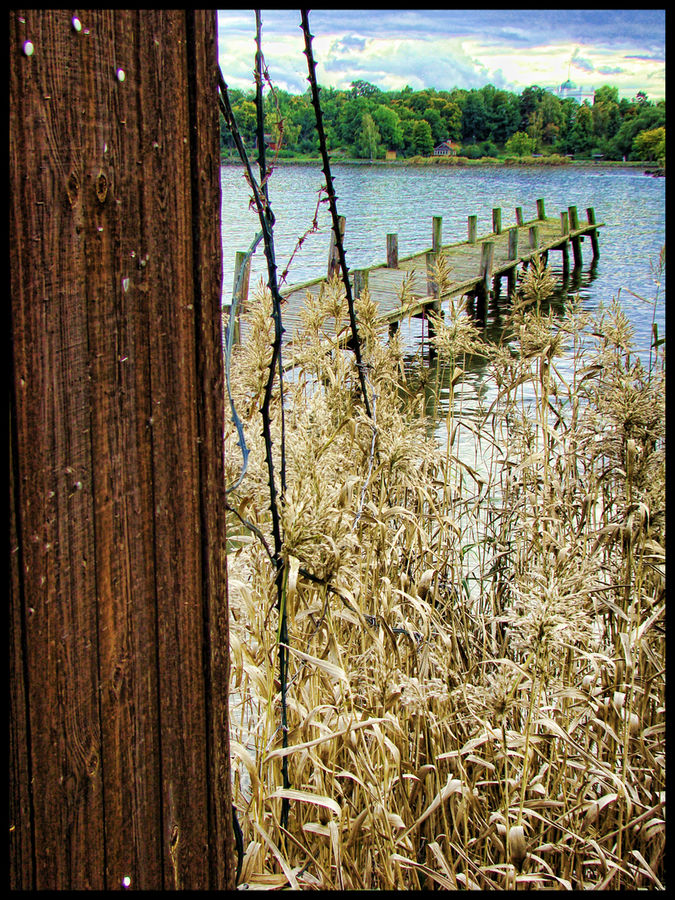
[(475, 125), (641, 120), (351, 114), (581, 136), (551, 113), (530, 99), (606, 94), (438, 130), (368, 138), (246, 119), (422, 140), (364, 89), (504, 116), (407, 128), (606, 114), (451, 114), (520, 144), (389, 125), (650, 145)]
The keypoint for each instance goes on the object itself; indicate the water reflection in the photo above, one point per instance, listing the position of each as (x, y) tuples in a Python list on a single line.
[(378, 200)]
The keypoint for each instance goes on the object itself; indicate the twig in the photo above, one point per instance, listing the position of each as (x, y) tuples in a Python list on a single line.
[(355, 343)]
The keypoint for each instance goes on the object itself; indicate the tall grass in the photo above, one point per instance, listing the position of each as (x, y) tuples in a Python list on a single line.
[(477, 681)]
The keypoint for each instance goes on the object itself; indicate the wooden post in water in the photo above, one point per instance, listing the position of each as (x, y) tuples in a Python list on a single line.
[(497, 221), (541, 210), (590, 215), (513, 254), (333, 255), (533, 240), (436, 233), (433, 291), (392, 251), (242, 276), (360, 282), (576, 243), (486, 260), (565, 229), (432, 286), (519, 216), (473, 229)]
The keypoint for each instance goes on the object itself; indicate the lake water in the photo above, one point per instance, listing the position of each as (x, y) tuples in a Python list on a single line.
[(377, 200)]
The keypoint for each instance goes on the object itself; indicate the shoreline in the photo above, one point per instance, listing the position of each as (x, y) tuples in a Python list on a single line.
[(649, 168)]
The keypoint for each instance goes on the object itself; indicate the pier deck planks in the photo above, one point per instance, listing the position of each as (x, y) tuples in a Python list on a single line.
[(464, 258)]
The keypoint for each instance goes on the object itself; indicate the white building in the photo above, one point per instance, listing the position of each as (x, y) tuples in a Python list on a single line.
[(569, 90)]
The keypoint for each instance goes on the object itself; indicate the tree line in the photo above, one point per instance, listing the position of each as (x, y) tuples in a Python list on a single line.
[(365, 122)]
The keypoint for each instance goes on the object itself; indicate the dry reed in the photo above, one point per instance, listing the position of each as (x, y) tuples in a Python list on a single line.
[(476, 684)]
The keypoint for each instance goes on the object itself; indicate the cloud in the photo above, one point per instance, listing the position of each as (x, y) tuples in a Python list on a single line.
[(581, 63), (450, 48), (346, 44)]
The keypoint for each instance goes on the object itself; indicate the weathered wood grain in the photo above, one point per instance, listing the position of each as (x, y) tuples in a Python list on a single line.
[(119, 662)]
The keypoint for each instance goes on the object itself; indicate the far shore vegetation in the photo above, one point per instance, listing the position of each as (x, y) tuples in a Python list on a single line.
[(481, 126)]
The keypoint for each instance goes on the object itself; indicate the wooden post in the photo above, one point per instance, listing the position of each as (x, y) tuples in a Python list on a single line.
[(534, 236), (333, 255), (436, 241), (473, 229), (240, 287), (486, 261), (566, 259), (541, 210), (119, 755), (432, 287), (392, 251), (519, 216), (590, 214), (360, 282), (497, 221), (565, 247), (576, 243), (513, 243), (513, 254)]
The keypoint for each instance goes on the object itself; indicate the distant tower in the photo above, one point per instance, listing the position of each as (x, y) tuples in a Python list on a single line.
[(569, 90)]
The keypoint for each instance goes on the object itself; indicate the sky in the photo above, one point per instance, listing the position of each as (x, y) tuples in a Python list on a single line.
[(442, 49)]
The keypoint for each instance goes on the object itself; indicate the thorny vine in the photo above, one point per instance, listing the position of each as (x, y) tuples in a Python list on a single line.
[(266, 217), (261, 202)]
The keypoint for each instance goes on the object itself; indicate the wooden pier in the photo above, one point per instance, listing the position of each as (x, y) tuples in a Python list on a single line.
[(476, 265)]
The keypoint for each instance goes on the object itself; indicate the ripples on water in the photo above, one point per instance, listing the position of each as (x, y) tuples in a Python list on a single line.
[(377, 200)]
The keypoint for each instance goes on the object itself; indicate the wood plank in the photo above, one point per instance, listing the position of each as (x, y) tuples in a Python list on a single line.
[(464, 260)]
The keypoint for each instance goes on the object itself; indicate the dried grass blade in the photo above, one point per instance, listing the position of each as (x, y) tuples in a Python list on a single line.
[(452, 786), (284, 751), (329, 668), (285, 868), (647, 869), (306, 797), (240, 751), (408, 863), (442, 861)]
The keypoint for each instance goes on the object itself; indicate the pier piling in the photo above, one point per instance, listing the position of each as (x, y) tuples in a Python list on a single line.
[(476, 265), (392, 251)]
